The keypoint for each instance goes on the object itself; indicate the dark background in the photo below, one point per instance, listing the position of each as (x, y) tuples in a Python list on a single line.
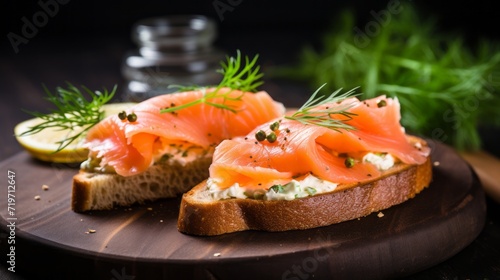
[(85, 42), (279, 28)]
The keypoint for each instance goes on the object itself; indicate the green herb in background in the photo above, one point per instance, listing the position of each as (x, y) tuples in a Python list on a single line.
[(445, 88)]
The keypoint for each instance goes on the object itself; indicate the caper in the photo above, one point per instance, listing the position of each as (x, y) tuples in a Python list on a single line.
[(260, 135)]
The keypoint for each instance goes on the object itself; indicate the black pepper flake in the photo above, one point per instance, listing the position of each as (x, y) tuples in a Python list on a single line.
[(246, 138), (256, 142), (209, 134), (287, 130), (251, 156), (369, 175)]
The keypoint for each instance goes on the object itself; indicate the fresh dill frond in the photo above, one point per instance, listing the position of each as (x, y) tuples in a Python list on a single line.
[(236, 77), (73, 112), (238, 74), (181, 88), (309, 113)]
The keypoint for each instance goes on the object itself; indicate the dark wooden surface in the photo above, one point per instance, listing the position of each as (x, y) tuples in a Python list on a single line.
[(97, 64), (144, 239)]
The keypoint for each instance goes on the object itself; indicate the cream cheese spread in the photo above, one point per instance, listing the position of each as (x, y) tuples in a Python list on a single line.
[(308, 186), (381, 161)]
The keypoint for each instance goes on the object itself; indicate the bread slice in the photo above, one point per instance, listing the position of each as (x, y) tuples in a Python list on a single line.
[(103, 191), (348, 201)]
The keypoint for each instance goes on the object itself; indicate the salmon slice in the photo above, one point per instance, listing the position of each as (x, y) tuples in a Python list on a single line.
[(301, 149), (131, 147)]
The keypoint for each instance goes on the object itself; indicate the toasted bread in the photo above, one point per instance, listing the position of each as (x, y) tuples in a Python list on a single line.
[(103, 191), (200, 215)]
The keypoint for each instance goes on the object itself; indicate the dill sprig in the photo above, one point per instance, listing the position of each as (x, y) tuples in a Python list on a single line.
[(236, 75), (309, 113), (73, 112)]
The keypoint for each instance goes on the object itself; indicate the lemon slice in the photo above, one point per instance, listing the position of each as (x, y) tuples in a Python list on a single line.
[(42, 145)]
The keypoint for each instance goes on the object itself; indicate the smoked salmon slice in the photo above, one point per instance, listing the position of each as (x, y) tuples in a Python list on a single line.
[(301, 149), (130, 147)]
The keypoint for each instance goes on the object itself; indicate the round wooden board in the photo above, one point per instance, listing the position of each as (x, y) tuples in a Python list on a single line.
[(142, 242)]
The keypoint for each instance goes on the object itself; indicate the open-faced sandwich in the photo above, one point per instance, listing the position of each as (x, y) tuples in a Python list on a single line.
[(333, 160), (162, 147)]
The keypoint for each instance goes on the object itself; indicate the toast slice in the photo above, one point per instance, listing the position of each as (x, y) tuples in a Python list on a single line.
[(103, 191), (200, 215)]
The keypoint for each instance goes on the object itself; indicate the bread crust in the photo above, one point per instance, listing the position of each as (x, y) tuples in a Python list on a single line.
[(101, 191), (347, 202)]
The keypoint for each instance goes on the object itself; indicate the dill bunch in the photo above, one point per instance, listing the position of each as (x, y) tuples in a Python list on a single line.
[(445, 88)]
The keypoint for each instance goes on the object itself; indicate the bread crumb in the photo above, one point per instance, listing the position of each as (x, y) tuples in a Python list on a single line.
[(217, 255), (380, 214), (150, 208), (81, 220), (91, 230), (45, 187), (437, 163), (37, 197), (161, 221)]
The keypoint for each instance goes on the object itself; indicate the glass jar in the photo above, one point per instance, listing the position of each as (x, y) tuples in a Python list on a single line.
[(172, 50)]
